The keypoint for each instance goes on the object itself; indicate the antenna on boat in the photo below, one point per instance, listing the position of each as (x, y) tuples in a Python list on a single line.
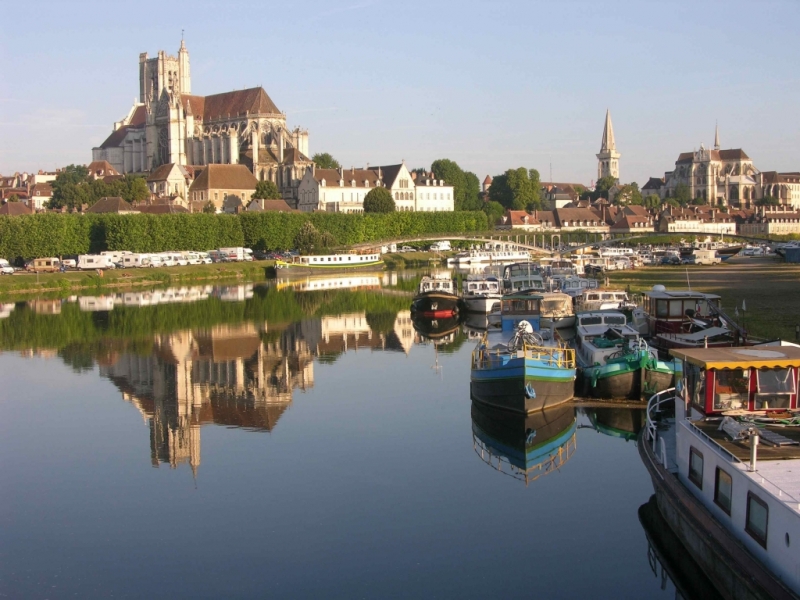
[(688, 283)]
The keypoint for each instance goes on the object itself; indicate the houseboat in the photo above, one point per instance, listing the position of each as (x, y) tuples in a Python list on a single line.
[(515, 308), (477, 256), (614, 361), (556, 310), (522, 277), (723, 452), (325, 263), (525, 375), (575, 286), (481, 292), (436, 297), (526, 447), (594, 299), (685, 319)]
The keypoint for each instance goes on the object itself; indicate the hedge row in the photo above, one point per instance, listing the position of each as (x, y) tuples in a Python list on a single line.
[(32, 236)]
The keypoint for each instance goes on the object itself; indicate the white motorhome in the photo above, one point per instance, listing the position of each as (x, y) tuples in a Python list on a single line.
[(706, 257), (89, 262), (236, 254), (130, 261), (441, 246)]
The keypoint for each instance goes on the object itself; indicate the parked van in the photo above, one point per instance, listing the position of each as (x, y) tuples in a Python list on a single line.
[(130, 261), (5, 267), (236, 254), (706, 257), (44, 265), (89, 262), (441, 246)]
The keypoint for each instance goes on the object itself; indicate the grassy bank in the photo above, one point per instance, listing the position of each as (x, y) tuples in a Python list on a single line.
[(769, 287), (31, 283)]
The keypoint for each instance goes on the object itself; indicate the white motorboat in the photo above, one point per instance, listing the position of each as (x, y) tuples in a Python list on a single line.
[(522, 277), (594, 299), (481, 293)]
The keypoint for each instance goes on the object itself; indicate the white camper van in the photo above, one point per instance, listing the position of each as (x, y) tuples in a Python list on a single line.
[(89, 262), (130, 261), (442, 246)]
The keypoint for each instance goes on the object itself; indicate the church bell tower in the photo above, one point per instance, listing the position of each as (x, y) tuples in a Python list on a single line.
[(608, 157)]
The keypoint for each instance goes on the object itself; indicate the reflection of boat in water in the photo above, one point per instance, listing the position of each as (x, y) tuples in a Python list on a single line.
[(436, 329), (524, 446), (524, 375), (476, 324), (343, 282), (669, 560), (625, 423)]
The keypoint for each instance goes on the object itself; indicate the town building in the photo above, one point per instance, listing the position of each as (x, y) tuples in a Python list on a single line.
[(170, 180), (608, 157), (344, 190), (223, 184), (114, 205), (40, 194), (769, 220), (168, 124), (695, 219)]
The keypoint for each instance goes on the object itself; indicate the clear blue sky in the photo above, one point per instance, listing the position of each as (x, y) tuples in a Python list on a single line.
[(491, 85)]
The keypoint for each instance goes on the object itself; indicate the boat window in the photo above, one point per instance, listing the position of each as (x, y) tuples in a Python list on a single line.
[(676, 308), (731, 389), (591, 320), (661, 308), (696, 384), (614, 320), (723, 490), (608, 296), (774, 388), (757, 518), (696, 467)]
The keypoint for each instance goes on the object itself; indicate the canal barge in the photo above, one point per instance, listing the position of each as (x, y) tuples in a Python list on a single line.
[(481, 292), (723, 452), (327, 263), (436, 297), (525, 375)]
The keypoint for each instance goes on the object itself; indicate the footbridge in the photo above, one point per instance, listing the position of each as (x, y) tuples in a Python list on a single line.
[(553, 243)]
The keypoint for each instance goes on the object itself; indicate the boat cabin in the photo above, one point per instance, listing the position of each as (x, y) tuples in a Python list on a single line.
[(749, 378), (668, 311), (593, 299), (521, 277), (575, 286), (520, 307), (437, 283), (481, 285), (336, 260)]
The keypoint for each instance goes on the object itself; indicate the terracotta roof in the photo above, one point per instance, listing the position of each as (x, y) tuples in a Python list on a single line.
[(229, 177), (292, 155), (632, 222), (733, 154), (161, 209), (139, 117), (161, 173), (42, 189), (576, 214), (260, 205), (101, 167), (231, 104), (636, 210), (518, 218), (332, 176), (110, 205), (487, 181), (13, 209)]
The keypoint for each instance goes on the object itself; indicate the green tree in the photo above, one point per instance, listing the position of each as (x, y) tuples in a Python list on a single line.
[(134, 189), (379, 200), (452, 174), (699, 201), (494, 211), (765, 201), (673, 202), (267, 190), (603, 185), (209, 208), (309, 239), (652, 201), (13, 198), (324, 161), (629, 194), (517, 189), (472, 192), (682, 194), (70, 188)]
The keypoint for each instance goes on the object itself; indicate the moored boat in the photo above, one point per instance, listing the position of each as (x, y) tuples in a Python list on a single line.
[(723, 450), (522, 277), (594, 299), (436, 297), (481, 292), (556, 310), (326, 263), (525, 375), (614, 361)]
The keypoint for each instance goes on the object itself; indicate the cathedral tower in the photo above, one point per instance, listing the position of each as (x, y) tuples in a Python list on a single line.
[(608, 157), (164, 72)]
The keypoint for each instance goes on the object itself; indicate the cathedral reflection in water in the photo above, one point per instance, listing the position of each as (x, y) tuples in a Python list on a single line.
[(240, 375)]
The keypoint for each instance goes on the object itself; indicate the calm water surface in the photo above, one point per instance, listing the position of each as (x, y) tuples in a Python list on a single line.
[(297, 445)]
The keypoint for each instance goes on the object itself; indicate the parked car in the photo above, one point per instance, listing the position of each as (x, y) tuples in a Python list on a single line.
[(689, 260), (5, 267), (406, 249), (670, 260)]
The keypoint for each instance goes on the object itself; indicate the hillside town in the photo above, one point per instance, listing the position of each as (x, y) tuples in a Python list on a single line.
[(233, 152)]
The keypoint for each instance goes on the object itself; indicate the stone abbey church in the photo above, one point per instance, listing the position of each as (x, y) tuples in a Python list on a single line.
[(170, 125)]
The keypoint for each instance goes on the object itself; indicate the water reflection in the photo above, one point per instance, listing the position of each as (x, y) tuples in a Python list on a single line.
[(669, 561), (624, 423), (525, 447)]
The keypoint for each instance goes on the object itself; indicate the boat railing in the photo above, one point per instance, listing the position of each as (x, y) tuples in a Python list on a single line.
[(559, 357), (552, 462), (654, 405)]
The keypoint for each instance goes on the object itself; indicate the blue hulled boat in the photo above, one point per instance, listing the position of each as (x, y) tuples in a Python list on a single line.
[(524, 375)]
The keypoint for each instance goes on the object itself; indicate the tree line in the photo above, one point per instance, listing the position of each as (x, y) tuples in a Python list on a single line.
[(74, 187)]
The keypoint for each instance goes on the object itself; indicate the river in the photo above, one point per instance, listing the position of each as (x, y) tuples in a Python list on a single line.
[(249, 441)]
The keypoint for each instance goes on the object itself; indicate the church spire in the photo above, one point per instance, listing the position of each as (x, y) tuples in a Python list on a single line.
[(608, 144), (716, 137)]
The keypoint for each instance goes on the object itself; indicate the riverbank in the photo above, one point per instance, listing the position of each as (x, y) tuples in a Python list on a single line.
[(70, 281), (768, 286)]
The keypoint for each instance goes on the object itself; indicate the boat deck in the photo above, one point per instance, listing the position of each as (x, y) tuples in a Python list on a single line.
[(741, 449)]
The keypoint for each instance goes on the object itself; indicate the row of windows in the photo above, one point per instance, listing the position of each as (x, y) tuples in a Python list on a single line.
[(757, 518)]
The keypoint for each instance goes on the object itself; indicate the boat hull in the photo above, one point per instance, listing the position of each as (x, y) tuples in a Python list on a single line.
[(436, 304), (624, 380), (290, 269), (481, 304), (730, 567), (522, 385)]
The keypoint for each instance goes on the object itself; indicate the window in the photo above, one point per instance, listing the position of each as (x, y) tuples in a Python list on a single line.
[(774, 388), (731, 389), (723, 490), (661, 308), (696, 467), (757, 518)]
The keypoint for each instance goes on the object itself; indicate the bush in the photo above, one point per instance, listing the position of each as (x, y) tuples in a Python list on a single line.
[(379, 200)]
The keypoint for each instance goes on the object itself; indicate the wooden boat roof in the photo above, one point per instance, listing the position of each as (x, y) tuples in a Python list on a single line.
[(772, 357)]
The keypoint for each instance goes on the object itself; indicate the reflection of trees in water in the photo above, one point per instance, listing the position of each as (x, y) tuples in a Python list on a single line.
[(382, 322)]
